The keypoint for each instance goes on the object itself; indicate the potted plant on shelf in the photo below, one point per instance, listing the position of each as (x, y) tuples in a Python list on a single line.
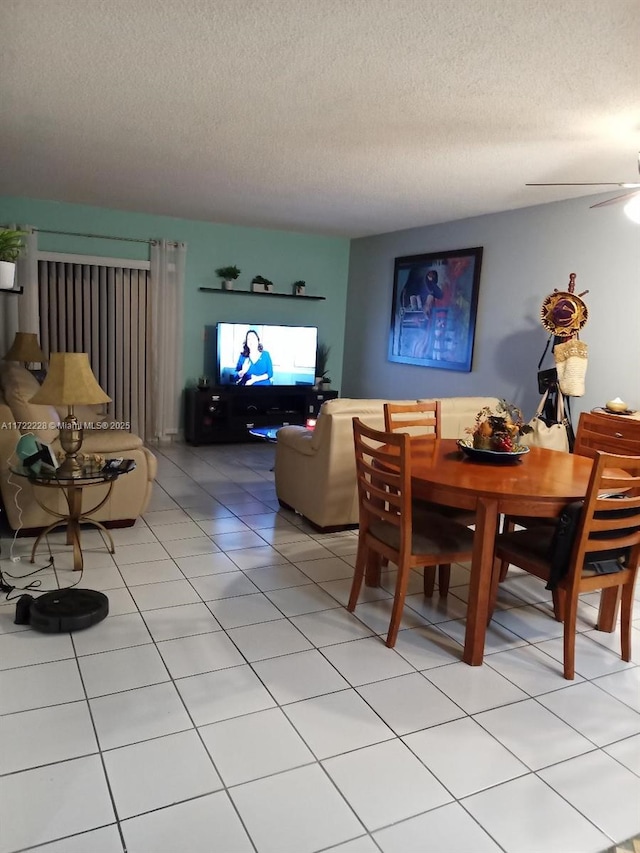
[(10, 247), (228, 276), (259, 284), (298, 288), (322, 358)]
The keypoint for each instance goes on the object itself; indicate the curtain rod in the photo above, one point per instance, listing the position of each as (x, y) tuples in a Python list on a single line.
[(94, 236)]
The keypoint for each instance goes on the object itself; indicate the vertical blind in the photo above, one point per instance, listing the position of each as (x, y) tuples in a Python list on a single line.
[(105, 312)]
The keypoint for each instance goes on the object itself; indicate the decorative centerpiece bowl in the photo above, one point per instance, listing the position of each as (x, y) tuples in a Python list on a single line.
[(491, 456), (499, 430)]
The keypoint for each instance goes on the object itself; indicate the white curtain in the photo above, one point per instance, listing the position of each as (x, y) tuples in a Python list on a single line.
[(21, 313), (167, 296)]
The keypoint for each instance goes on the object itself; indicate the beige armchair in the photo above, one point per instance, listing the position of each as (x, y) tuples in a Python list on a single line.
[(315, 470), (131, 492)]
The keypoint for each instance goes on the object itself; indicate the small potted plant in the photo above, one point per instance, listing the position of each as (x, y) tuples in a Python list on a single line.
[(259, 284), (298, 288), (322, 358), (228, 276), (11, 246)]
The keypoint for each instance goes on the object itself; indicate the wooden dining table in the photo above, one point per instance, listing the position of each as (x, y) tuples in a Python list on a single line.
[(538, 484)]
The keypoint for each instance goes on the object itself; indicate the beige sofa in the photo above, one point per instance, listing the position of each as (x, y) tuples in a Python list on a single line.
[(315, 469), (131, 492)]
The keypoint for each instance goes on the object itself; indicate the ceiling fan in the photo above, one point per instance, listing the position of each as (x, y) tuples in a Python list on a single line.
[(632, 208)]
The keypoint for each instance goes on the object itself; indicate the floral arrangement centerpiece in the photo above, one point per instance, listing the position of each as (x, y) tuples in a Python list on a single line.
[(498, 430)]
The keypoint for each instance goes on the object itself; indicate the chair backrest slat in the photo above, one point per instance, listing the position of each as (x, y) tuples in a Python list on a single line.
[(383, 512), (382, 471), (377, 493), (423, 419), (608, 523)]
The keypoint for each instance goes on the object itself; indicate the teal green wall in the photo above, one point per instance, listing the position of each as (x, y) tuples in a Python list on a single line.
[(281, 256)]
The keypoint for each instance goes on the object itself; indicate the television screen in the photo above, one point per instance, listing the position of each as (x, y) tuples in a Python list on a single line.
[(259, 355)]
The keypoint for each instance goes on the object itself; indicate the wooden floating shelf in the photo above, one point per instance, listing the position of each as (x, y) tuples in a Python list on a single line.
[(257, 293)]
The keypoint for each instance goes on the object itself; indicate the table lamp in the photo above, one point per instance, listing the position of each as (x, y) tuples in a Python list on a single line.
[(70, 382), (25, 348)]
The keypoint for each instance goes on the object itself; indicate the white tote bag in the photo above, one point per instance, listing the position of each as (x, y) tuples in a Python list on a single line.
[(554, 437)]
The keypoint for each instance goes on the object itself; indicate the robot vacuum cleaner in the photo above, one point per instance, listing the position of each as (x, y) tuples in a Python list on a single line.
[(62, 610)]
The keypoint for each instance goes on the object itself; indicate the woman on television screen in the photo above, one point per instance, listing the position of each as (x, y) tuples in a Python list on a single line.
[(254, 366)]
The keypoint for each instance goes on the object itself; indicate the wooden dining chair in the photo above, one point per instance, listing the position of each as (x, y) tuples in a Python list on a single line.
[(423, 421), (607, 538), (596, 431), (391, 525)]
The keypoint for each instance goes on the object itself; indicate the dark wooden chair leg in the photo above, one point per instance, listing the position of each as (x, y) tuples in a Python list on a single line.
[(429, 581), (398, 604), (444, 577), (358, 576)]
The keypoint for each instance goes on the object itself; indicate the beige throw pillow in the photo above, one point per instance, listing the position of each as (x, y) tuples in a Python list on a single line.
[(19, 386)]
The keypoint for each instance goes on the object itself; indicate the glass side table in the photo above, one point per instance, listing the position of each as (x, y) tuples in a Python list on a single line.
[(72, 488)]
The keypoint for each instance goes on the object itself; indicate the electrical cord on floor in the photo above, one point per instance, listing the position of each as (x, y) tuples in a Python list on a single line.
[(36, 584), (9, 588), (5, 585), (18, 489)]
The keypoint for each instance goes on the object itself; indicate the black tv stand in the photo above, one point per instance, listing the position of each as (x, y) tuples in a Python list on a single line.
[(226, 413)]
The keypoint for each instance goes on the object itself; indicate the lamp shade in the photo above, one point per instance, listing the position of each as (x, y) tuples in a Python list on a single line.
[(25, 348), (69, 382)]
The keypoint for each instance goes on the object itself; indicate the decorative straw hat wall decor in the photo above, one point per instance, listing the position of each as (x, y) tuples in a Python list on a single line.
[(563, 312)]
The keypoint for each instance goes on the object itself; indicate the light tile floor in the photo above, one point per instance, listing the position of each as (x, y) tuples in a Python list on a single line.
[(230, 703)]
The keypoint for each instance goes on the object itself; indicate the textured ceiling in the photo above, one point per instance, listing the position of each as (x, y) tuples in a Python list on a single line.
[(347, 117)]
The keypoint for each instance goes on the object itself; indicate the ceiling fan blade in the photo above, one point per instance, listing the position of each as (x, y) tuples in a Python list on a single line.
[(587, 184), (626, 184), (617, 199)]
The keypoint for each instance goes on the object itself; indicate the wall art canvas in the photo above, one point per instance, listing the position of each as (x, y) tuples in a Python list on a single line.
[(433, 315)]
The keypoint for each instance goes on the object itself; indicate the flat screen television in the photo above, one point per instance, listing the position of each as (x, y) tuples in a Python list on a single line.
[(260, 355)]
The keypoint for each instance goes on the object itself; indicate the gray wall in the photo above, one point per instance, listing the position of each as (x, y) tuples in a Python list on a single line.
[(527, 253)]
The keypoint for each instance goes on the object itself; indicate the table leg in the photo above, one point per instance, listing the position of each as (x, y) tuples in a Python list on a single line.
[(111, 548), (482, 562), (74, 499), (73, 538), (75, 518), (42, 534)]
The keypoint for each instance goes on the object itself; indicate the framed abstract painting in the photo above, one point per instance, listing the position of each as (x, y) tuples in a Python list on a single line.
[(433, 314)]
